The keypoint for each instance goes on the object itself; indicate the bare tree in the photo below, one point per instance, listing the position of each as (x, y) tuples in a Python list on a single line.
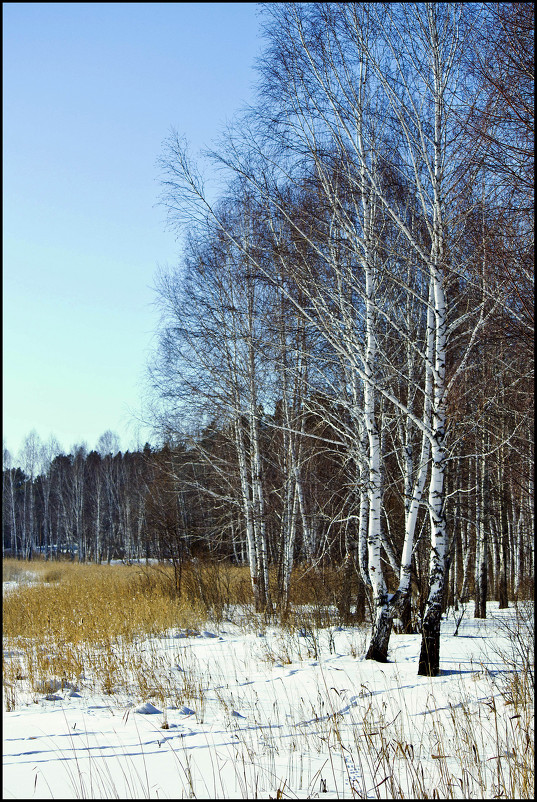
[(212, 351), (354, 164)]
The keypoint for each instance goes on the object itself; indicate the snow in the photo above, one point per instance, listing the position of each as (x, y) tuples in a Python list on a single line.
[(302, 717)]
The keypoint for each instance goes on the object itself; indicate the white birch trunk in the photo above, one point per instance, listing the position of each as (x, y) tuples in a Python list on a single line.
[(259, 511), (378, 647), (414, 488), (247, 507), (363, 515), (430, 646)]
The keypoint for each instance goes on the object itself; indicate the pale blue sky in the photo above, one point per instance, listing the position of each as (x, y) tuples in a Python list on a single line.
[(91, 90)]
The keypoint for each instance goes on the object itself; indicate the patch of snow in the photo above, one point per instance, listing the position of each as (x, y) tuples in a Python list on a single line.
[(146, 709), (87, 745)]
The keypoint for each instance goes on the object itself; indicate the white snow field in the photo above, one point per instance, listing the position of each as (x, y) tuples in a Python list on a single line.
[(283, 715)]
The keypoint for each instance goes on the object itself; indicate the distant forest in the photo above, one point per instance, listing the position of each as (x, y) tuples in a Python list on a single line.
[(344, 372)]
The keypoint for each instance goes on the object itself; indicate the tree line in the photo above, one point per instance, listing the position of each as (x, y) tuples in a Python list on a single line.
[(101, 505), (344, 372)]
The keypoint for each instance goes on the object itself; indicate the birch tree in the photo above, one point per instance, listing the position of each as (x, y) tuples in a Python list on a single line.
[(212, 350), (353, 158), (324, 102)]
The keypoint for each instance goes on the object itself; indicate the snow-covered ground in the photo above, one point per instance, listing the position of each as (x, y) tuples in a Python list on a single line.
[(327, 724)]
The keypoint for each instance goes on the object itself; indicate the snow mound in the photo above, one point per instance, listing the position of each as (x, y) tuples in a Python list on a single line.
[(186, 711), (147, 709)]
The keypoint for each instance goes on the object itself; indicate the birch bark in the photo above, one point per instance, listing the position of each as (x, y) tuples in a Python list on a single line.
[(430, 645)]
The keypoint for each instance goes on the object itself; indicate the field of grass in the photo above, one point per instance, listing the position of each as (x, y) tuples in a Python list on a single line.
[(67, 619), (301, 711)]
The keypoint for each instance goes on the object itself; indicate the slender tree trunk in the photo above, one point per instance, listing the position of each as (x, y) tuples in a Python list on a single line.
[(430, 644), (503, 533), (248, 514), (414, 488), (466, 554), (258, 506), (382, 623), (14, 543), (519, 559), (482, 553)]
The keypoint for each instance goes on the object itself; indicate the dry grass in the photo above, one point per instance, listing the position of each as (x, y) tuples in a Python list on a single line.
[(83, 624), (87, 603), (67, 623)]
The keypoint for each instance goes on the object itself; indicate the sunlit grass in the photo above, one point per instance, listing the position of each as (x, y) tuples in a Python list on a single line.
[(68, 626), (84, 621)]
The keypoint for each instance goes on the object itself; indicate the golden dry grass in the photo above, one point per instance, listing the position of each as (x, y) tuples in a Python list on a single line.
[(83, 624), (83, 621), (67, 621)]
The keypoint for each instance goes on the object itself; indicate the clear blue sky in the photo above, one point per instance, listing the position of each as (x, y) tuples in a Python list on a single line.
[(91, 90)]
